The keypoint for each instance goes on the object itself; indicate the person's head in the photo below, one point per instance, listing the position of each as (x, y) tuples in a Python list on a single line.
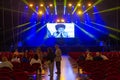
[(38, 50), (98, 54), (4, 59), (49, 50), (56, 46), (14, 56), (60, 27)]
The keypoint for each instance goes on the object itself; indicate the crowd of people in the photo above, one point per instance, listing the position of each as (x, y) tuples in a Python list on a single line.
[(31, 57), (88, 56), (48, 58)]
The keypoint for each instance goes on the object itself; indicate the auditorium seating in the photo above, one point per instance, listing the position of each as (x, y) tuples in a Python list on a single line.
[(6, 73), (21, 71), (99, 70)]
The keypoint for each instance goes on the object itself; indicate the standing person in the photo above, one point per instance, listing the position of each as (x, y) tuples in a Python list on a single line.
[(50, 58), (58, 59), (39, 53)]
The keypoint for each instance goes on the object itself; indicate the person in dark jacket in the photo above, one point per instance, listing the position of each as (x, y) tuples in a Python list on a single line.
[(50, 59), (98, 57)]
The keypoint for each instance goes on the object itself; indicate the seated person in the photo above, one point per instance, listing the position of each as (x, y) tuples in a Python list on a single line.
[(35, 59), (60, 33), (81, 57), (25, 57), (98, 57), (16, 52), (89, 56), (104, 57), (15, 58), (6, 63)]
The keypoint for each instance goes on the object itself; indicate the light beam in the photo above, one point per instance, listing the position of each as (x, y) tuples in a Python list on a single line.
[(55, 4), (107, 10), (76, 6), (99, 1), (108, 27), (111, 35), (89, 34)]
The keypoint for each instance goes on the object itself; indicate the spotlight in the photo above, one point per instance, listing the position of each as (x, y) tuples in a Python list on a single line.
[(62, 20), (58, 20), (40, 12), (41, 5), (89, 4), (69, 4), (79, 12), (31, 5), (51, 5), (78, 4)]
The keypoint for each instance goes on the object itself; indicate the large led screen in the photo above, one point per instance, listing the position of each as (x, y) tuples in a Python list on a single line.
[(60, 30)]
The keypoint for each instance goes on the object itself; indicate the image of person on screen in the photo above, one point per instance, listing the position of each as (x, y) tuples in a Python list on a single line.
[(60, 31)]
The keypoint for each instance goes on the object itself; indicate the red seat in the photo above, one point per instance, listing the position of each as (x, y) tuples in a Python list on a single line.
[(5, 78), (20, 76), (17, 66), (6, 72), (36, 66), (5, 69), (26, 66), (114, 77), (34, 69)]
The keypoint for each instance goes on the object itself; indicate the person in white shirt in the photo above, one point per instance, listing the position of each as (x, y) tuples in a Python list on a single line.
[(35, 59), (58, 59), (15, 58), (6, 63), (104, 57)]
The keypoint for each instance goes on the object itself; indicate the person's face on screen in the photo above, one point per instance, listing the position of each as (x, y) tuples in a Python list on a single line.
[(60, 30)]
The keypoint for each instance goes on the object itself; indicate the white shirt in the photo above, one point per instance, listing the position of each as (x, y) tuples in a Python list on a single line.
[(36, 61), (104, 57), (15, 59), (6, 64)]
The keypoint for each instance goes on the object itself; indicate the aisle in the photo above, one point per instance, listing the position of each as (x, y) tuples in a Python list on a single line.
[(67, 72)]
